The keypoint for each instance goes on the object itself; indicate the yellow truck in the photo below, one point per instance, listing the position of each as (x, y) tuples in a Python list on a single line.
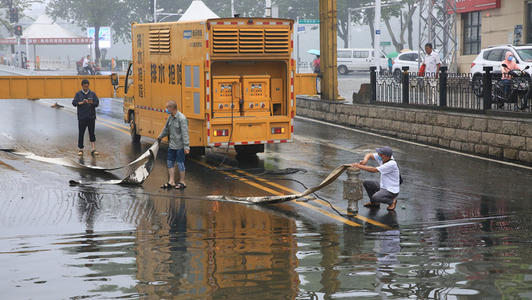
[(232, 77)]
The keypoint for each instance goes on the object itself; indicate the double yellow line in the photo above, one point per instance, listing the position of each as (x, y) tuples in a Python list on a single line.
[(336, 217), (246, 179)]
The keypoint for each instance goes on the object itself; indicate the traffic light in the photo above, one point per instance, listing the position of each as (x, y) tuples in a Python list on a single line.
[(18, 30), (13, 15)]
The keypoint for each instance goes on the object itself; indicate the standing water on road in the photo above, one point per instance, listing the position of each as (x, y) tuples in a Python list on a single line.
[(458, 232)]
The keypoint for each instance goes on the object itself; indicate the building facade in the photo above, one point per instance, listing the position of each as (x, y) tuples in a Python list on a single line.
[(484, 23)]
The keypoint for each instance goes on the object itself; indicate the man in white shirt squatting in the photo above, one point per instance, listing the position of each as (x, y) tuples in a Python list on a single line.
[(388, 189)]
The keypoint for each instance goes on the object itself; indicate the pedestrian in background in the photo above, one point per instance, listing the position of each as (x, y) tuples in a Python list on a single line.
[(432, 62), (86, 102), (176, 129), (387, 190), (316, 65)]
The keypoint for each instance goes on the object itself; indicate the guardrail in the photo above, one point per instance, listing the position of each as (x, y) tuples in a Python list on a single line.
[(450, 91), (36, 87)]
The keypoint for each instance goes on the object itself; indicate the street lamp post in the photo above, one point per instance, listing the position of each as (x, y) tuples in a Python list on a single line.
[(349, 27), (154, 11), (377, 40)]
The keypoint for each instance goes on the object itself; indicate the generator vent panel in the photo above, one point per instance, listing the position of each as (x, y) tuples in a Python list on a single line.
[(160, 40), (227, 39)]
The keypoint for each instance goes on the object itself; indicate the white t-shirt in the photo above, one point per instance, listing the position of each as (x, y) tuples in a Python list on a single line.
[(85, 62), (431, 64), (389, 174)]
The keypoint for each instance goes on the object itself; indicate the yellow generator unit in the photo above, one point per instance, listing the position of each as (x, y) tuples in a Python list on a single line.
[(233, 79)]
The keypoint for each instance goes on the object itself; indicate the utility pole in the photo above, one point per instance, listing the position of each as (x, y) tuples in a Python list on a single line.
[(349, 28), (232, 8), (328, 48), (11, 21), (377, 45), (154, 11), (268, 9)]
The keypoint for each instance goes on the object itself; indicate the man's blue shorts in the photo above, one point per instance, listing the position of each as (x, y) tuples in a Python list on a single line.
[(176, 156)]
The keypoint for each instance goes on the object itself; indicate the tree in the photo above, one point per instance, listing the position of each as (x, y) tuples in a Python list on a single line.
[(389, 12), (117, 14), (410, 8), (359, 15), (21, 5)]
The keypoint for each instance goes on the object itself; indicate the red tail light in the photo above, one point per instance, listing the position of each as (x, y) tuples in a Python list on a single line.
[(221, 132), (278, 130)]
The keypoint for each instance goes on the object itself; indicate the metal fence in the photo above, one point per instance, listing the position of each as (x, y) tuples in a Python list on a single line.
[(452, 91)]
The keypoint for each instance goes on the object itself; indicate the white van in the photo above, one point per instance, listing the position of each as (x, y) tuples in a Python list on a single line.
[(358, 59)]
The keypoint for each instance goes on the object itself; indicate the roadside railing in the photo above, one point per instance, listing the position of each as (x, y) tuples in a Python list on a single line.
[(450, 91)]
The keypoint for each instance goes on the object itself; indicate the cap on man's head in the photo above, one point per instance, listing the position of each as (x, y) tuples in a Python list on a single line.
[(385, 151)]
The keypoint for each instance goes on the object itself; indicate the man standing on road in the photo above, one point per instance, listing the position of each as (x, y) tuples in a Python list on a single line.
[(176, 129), (388, 189), (86, 102)]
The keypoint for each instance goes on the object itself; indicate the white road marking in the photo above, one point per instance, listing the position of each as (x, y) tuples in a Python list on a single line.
[(418, 144)]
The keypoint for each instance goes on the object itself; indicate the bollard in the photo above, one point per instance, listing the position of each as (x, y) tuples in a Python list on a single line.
[(406, 85), (353, 189), (373, 80)]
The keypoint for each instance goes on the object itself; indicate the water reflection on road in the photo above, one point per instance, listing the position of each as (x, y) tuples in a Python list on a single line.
[(201, 249), (457, 234)]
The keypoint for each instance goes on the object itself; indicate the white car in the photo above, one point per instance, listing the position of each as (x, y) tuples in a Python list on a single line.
[(358, 59), (408, 59), (493, 57)]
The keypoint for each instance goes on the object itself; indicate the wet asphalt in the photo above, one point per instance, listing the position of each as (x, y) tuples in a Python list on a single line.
[(462, 228)]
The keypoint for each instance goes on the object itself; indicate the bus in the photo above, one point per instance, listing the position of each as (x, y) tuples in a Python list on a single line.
[(233, 78)]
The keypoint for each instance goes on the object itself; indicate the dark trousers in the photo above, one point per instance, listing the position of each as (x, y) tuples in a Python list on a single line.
[(378, 195), (82, 125)]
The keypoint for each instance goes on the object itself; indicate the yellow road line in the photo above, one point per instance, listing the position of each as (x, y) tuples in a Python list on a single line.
[(273, 192), (99, 121), (287, 189), (254, 184), (114, 123), (245, 180)]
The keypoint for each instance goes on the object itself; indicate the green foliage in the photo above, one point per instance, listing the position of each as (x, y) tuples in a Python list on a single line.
[(22, 5), (117, 14)]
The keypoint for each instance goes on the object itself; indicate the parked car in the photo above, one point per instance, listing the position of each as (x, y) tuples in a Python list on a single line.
[(358, 59), (493, 57), (408, 59)]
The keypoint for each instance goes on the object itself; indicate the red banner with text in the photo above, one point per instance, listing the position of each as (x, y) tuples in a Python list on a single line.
[(464, 6)]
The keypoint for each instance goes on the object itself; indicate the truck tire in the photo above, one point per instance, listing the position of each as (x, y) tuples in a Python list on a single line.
[(197, 151), (135, 138), (342, 70), (249, 150)]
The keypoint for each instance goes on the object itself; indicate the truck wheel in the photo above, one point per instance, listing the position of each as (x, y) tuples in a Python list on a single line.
[(135, 138), (249, 150), (197, 151), (342, 70)]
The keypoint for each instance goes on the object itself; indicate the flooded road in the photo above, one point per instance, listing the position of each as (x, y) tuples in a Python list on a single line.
[(462, 229)]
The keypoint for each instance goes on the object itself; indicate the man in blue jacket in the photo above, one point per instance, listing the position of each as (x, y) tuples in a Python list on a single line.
[(86, 102)]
